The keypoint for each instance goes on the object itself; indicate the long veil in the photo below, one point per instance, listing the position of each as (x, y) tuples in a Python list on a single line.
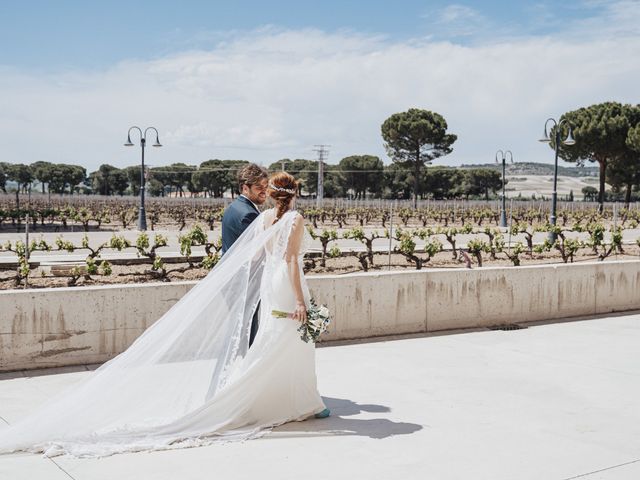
[(164, 391)]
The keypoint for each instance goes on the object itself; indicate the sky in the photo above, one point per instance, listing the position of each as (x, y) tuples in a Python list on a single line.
[(265, 80)]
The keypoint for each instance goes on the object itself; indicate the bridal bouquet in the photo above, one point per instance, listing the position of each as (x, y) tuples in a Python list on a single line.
[(317, 321)]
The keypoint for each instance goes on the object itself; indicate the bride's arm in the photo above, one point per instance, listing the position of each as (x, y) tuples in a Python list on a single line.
[(291, 257)]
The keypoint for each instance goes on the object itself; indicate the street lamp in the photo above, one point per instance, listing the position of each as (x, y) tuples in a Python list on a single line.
[(502, 157), (557, 140), (142, 219)]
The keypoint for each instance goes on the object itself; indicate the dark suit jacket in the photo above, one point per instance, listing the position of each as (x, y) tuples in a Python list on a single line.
[(236, 219)]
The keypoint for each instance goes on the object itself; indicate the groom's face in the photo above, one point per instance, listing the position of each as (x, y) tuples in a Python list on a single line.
[(257, 193)]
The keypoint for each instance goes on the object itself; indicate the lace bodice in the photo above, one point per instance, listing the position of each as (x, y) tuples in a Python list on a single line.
[(306, 243), (306, 236), (279, 285)]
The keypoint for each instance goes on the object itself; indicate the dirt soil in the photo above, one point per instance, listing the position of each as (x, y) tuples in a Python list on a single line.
[(127, 274)]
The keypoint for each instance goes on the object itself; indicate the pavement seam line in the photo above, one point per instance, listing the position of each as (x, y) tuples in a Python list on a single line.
[(62, 469), (603, 469), (48, 458)]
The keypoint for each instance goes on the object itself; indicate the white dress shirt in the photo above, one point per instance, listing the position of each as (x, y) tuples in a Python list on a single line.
[(256, 207)]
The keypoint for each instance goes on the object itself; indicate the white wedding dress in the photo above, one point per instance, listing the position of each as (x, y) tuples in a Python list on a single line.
[(190, 379)]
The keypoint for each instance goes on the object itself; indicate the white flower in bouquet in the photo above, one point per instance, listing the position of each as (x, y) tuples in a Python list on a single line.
[(318, 319)]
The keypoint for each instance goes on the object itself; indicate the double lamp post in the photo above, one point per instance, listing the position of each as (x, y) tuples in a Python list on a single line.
[(558, 138), (142, 219)]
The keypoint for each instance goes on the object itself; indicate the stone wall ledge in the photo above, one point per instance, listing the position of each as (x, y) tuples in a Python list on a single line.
[(80, 325)]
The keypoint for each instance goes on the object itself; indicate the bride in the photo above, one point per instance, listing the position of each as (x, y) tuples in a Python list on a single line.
[(190, 379)]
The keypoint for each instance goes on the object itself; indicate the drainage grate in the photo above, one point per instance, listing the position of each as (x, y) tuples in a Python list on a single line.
[(512, 326)]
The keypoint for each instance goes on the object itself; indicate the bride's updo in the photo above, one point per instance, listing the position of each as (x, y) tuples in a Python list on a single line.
[(282, 188)]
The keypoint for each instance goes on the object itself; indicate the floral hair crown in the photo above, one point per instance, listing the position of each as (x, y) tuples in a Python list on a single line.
[(292, 191)]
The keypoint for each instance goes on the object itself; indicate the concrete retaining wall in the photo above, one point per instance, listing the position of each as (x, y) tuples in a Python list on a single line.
[(67, 326)]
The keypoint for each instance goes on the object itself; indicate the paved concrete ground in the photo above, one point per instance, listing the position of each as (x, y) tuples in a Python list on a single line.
[(551, 402)]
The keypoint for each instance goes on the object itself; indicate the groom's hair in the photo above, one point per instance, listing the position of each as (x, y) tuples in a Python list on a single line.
[(251, 174)]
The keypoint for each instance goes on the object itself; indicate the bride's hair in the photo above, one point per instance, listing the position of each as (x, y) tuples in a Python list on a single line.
[(282, 188)]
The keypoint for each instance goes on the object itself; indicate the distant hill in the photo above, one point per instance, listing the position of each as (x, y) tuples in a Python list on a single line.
[(533, 168)]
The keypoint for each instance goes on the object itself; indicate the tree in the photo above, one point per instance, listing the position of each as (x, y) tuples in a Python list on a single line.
[(109, 180), (180, 176), (42, 172), (442, 182), (589, 194), (627, 170), (21, 174), (73, 176), (63, 175), (480, 181), (57, 181), (85, 187), (214, 178), (4, 167), (624, 174), (415, 138), (332, 185), (176, 175), (361, 173), (161, 177), (633, 137), (233, 167), (154, 187), (119, 181), (397, 182), (600, 132), (305, 171), (189, 183), (133, 176)]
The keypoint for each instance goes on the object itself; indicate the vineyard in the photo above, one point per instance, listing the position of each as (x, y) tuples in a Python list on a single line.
[(90, 213), (348, 236)]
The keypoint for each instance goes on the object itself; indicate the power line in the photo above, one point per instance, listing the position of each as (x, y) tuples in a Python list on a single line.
[(195, 169), (203, 170), (297, 171)]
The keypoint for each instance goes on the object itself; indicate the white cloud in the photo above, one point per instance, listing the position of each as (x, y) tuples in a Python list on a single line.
[(459, 21), (275, 93), (621, 19)]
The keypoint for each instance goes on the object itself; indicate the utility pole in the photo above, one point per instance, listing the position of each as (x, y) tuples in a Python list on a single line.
[(502, 157), (323, 153)]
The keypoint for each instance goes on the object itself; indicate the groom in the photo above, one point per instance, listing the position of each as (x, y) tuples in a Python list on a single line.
[(252, 183)]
